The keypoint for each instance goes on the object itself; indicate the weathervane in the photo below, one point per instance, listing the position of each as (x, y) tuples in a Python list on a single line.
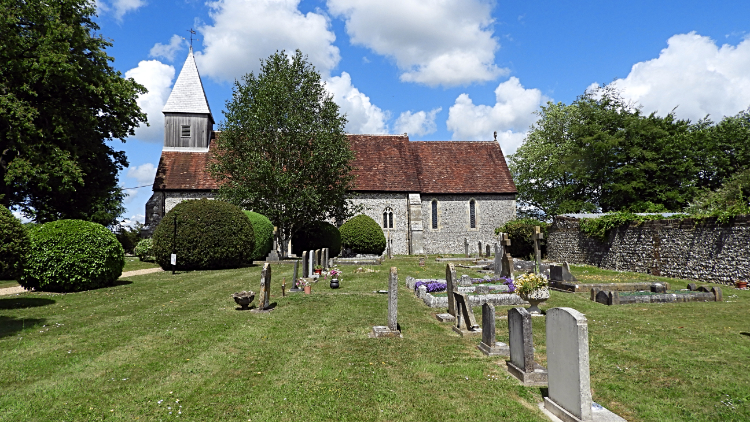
[(192, 32)]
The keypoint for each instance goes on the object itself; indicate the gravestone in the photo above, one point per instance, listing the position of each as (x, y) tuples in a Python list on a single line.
[(392, 330), (507, 261), (521, 364), (305, 273), (310, 262), (569, 391), (450, 283), (318, 258), (498, 264), (325, 257), (465, 281), (479, 249), (561, 273), (264, 296), (487, 254), (489, 346), (567, 275), (294, 277), (466, 247), (466, 323), (538, 236), (717, 294), (658, 288), (691, 287)]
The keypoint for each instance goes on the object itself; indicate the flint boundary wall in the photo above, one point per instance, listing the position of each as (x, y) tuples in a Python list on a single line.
[(704, 250)]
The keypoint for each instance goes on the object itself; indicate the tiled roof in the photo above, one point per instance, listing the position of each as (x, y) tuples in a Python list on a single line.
[(384, 163), (188, 95)]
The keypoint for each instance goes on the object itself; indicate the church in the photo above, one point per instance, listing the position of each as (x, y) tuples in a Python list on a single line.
[(429, 197)]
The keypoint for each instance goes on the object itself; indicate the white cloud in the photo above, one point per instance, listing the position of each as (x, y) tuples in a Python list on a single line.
[(511, 115), (157, 78), (417, 124), (245, 31), (143, 174), (167, 51), (133, 219), (118, 7), (363, 116), (436, 42), (694, 74)]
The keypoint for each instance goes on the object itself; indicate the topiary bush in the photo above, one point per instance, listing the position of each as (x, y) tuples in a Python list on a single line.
[(72, 255), (14, 244), (363, 235), (317, 235), (263, 229), (520, 233), (210, 235), (144, 250)]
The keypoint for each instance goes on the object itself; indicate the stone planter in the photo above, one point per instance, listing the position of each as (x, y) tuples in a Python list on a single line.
[(334, 283), (244, 298), (535, 298)]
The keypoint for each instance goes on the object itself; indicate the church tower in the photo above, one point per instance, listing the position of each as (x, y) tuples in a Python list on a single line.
[(188, 122)]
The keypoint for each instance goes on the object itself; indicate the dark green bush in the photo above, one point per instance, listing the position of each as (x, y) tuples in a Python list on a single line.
[(210, 235), (263, 229), (129, 237), (14, 244), (520, 233), (144, 250), (363, 235), (317, 235), (72, 255)]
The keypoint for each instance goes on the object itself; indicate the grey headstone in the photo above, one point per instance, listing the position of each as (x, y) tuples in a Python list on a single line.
[(325, 257), (305, 274), (717, 294), (264, 295), (487, 254), (603, 297), (489, 346), (450, 282), (691, 287), (568, 363), (521, 363), (498, 264), (318, 258), (555, 273), (272, 256), (310, 262), (393, 299), (465, 281), (479, 248)]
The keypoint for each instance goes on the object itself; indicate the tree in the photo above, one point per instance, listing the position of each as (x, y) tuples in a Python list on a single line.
[(60, 102), (282, 151)]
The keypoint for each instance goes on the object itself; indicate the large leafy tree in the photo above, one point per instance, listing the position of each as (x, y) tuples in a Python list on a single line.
[(282, 151), (60, 104)]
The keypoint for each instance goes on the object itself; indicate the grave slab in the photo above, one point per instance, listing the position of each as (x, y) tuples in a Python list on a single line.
[(445, 317)]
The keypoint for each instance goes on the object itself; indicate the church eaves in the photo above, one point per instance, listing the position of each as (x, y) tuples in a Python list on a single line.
[(188, 95)]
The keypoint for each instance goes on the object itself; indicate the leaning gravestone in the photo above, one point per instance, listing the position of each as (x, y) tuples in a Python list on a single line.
[(264, 296), (489, 346), (521, 364), (392, 329), (569, 392), (466, 323)]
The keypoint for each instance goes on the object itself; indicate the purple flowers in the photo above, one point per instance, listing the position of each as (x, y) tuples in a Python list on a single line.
[(432, 286), (509, 282)]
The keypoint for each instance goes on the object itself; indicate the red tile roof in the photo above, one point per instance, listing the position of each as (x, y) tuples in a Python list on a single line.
[(383, 163)]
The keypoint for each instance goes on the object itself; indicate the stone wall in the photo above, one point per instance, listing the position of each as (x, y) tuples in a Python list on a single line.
[(491, 211), (375, 203), (692, 249)]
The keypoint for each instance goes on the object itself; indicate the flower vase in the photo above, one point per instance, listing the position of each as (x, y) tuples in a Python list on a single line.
[(334, 283), (740, 284), (308, 290), (535, 298)]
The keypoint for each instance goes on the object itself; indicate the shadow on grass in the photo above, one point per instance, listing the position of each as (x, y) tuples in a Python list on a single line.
[(10, 325), (120, 282), (24, 302)]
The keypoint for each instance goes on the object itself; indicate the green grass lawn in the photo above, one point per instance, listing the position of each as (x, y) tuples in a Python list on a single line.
[(132, 263), (160, 343)]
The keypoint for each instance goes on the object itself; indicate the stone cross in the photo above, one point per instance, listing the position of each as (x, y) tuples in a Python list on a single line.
[(489, 346), (521, 363), (305, 273), (264, 295), (569, 389), (466, 247), (450, 282), (487, 254), (538, 235), (498, 266)]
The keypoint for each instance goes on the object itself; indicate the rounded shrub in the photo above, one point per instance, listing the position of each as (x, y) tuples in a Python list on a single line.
[(520, 233), (363, 235), (72, 255), (317, 235), (14, 244), (263, 229), (210, 235), (144, 250)]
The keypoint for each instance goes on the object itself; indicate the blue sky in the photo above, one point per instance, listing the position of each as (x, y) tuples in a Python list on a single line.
[(438, 70)]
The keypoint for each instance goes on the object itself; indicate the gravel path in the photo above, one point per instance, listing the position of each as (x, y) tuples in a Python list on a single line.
[(18, 289)]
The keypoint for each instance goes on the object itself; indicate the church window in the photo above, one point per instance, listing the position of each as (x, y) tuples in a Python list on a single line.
[(185, 133), (473, 214), (434, 214), (388, 218)]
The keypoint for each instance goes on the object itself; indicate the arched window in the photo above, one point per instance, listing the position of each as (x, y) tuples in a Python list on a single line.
[(434, 214), (388, 218), (473, 214)]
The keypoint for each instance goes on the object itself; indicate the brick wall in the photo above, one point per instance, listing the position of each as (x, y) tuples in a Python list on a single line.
[(700, 250)]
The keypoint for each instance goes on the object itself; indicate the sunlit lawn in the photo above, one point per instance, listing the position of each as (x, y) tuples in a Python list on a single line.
[(160, 343)]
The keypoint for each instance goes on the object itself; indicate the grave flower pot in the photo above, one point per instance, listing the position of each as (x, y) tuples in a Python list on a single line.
[(741, 284), (318, 271), (535, 298), (308, 290), (334, 283), (244, 298)]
